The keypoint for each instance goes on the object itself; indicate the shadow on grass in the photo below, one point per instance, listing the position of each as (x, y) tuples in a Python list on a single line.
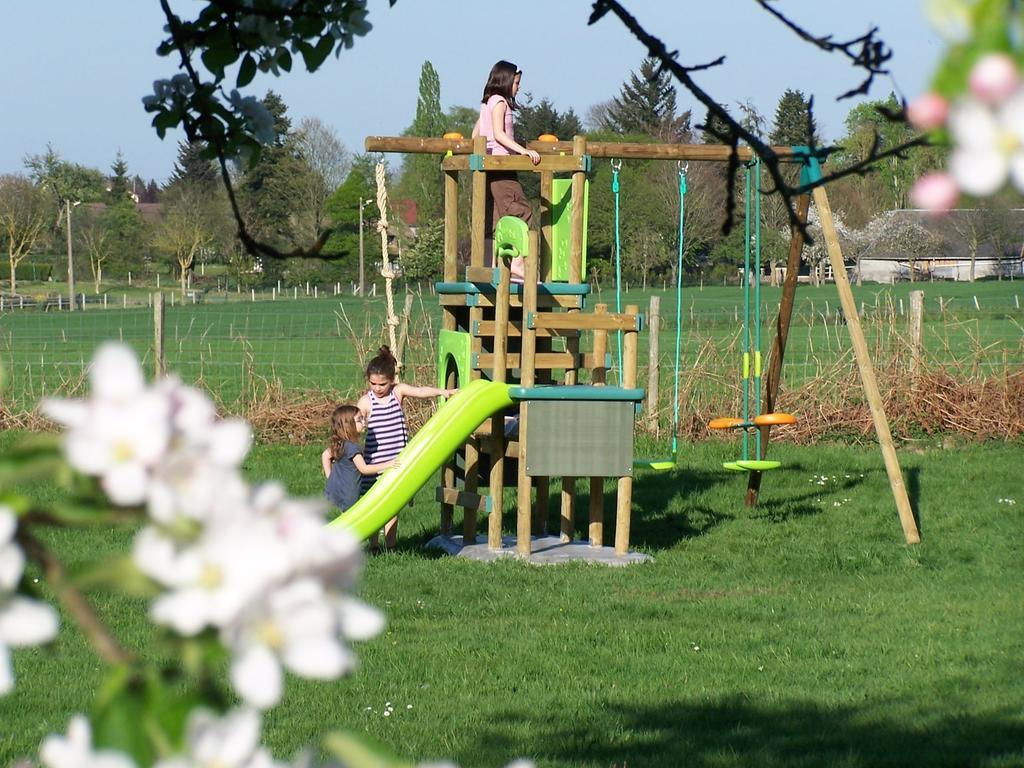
[(735, 732)]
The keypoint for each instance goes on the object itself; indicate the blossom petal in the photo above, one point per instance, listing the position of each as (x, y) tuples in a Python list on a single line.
[(26, 622), (125, 484), (321, 658), (257, 677), (115, 374), (230, 442), (973, 125), (358, 620), (1017, 171), (6, 671), (979, 172), (12, 565)]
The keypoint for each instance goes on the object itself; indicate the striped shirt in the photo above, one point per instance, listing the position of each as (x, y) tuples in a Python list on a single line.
[(386, 433)]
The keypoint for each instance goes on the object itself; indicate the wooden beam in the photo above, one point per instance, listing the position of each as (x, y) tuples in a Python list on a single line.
[(544, 361), (629, 150), (549, 163), (867, 371), (544, 300), (584, 322), (485, 328), (527, 377), (624, 489), (456, 498), (479, 210)]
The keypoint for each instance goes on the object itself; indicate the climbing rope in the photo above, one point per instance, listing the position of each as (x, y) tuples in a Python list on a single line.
[(386, 270)]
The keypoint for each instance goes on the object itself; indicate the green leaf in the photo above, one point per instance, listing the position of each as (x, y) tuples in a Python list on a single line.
[(284, 59), (247, 71), (119, 575), (119, 720), (357, 751), (320, 52)]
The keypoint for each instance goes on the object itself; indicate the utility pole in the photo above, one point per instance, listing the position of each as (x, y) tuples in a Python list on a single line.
[(71, 263)]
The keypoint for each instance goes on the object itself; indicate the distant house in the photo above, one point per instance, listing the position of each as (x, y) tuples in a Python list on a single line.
[(998, 253)]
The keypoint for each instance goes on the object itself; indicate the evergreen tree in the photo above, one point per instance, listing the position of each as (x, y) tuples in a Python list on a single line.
[(343, 210), (714, 130), (192, 169), (120, 187), (534, 120), (152, 192), (794, 121), (647, 105), (124, 232), (268, 192), (421, 174)]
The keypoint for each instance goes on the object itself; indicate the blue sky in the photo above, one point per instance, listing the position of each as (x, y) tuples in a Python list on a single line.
[(75, 72)]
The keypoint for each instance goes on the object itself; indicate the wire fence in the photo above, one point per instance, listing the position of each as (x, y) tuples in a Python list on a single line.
[(321, 344)]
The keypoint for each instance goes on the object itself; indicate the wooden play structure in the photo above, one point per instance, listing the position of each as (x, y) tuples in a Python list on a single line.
[(532, 334)]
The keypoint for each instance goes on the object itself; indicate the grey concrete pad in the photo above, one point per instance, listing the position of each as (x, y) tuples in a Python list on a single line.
[(544, 550)]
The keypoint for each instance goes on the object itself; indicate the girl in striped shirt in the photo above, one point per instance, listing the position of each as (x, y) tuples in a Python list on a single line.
[(386, 432)]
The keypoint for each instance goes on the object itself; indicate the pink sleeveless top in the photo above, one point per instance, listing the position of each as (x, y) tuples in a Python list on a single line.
[(485, 125)]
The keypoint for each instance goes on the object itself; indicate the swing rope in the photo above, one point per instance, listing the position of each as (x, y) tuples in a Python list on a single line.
[(679, 307), (386, 270), (616, 187)]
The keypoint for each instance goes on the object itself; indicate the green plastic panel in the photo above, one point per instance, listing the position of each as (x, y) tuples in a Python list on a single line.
[(454, 347), (511, 238), (581, 438), (561, 227)]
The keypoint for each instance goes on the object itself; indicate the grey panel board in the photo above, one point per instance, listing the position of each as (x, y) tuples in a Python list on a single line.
[(579, 439)]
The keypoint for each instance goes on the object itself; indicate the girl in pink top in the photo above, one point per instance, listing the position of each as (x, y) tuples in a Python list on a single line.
[(495, 122)]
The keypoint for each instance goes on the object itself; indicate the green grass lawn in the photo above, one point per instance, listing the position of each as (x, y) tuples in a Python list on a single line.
[(312, 343), (800, 633)]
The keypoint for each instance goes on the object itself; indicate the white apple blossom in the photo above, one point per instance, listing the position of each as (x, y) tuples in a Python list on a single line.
[(993, 78), (228, 741), (23, 621), (75, 750), (988, 144), (12, 559), (296, 626), (212, 580)]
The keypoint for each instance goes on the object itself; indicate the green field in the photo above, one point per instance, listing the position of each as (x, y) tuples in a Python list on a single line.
[(802, 633), (317, 344)]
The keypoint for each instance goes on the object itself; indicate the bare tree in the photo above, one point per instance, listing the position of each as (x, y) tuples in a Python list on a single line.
[(185, 229), (329, 163), (25, 211), (96, 241)]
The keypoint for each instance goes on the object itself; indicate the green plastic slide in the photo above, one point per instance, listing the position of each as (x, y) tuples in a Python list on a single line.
[(431, 447)]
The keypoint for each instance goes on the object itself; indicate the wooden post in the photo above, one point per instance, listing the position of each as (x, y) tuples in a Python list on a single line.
[(527, 378), (653, 363), (451, 226), (598, 376), (159, 359), (782, 322), (867, 371), (403, 330), (477, 233), (624, 495), (916, 329), (498, 373)]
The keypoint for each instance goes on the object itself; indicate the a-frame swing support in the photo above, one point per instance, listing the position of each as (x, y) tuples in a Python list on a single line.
[(811, 178)]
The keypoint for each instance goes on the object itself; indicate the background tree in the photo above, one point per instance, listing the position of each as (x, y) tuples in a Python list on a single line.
[(25, 212), (125, 235), (895, 234), (193, 169), (185, 229), (424, 259), (646, 104), (327, 164), (94, 240), (343, 209), (532, 120), (268, 190), (120, 186), (421, 174), (872, 126)]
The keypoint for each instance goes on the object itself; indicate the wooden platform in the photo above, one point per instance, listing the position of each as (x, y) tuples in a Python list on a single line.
[(546, 550)]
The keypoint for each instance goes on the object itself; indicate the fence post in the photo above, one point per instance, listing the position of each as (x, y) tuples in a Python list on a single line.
[(159, 361), (653, 368), (916, 328)]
